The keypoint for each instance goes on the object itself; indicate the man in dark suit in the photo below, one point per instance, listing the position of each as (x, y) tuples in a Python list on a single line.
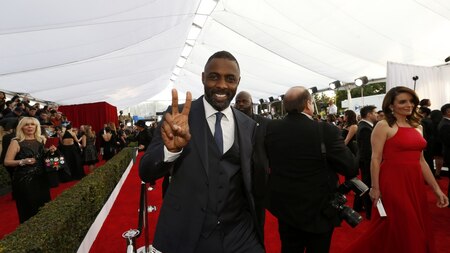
[(444, 136), (300, 185), (260, 168), (207, 148), (143, 135), (365, 126)]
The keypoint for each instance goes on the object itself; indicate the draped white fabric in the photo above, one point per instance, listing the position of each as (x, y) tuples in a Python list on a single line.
[(432, 83), (124, 52)]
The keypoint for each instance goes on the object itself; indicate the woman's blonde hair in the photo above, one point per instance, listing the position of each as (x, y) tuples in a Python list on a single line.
[(20, 136), (89, 132)]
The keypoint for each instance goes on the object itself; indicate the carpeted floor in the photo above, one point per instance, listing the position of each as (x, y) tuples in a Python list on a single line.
[(124, 216)]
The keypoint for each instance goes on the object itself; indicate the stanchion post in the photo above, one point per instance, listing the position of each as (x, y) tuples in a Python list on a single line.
[(135, 151)]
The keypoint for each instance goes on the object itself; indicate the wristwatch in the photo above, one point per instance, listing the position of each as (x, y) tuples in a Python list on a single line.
[(21, 163)]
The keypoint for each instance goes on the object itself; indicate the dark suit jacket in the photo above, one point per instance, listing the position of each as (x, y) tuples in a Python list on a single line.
[(260, 160), (299, 184), (183, 210), (444, 136), (363, 139)]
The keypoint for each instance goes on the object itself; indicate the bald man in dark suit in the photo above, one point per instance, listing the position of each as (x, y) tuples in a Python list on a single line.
[(300, 184)]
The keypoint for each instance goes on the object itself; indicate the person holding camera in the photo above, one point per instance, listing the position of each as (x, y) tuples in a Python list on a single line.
[(301, 186), (399, 172)]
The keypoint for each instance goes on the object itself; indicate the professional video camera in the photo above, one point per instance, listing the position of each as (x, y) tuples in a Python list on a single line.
[(345, 212)]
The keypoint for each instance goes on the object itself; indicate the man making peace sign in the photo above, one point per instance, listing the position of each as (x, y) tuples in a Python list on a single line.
[(207, 147)]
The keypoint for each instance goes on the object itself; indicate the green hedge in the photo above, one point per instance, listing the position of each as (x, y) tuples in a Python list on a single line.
[(60, 226)]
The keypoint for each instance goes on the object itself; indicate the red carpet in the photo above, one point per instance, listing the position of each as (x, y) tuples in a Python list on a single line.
[(124, 216)]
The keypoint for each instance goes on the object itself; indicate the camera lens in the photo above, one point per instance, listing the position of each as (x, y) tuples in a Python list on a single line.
[(350, 216)]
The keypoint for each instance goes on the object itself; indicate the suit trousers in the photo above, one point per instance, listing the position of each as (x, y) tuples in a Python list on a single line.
[(364, 201), (295, 240), (240, 239)]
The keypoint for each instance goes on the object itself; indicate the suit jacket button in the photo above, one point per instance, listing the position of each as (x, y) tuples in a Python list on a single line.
[(203, 209), (218, 222)]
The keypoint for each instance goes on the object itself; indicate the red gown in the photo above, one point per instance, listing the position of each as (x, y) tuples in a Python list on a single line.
[(407, 225)]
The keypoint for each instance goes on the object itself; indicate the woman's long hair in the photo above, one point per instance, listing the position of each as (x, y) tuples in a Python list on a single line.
[(351, 118), (20, 135), (89, 132), (388, 101)]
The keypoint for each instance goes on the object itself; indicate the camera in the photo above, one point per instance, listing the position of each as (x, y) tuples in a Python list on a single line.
[(338, 202)]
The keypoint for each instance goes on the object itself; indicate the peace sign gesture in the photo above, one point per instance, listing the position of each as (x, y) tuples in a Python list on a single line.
[(175, 127)]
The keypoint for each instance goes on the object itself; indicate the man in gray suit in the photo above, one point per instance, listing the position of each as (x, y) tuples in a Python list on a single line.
[(207, 149)]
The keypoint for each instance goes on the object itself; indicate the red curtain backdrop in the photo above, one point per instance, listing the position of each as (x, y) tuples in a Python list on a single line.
[(94, 114)]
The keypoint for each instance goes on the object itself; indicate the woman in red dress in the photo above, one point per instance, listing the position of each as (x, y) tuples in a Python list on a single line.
[(399, 172)]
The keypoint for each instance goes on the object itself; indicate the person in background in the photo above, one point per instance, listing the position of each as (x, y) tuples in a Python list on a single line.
[(90, 156), (332, 108), (437, 146), (207, 148), (349, 130), (2, 101), (444, 136), (26, 153), (300, 187), (425, 103), (108, 144), (398, 171), (261, 169), (428, 135), (380, 116), (365, 127), (70, 149), (143, 135)]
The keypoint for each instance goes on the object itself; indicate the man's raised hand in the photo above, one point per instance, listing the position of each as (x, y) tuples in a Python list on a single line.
[(175, 127)]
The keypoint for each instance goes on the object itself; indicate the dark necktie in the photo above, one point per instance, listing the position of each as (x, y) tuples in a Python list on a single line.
[(218, 137)]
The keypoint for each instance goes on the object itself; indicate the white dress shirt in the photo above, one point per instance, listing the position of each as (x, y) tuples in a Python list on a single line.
[(227, 124)]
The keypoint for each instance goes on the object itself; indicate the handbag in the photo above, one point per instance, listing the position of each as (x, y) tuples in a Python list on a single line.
[(55, 162)]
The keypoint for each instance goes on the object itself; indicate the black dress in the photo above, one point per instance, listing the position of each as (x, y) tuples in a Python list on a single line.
[(30, 184), (352, 143), (73, 157), (90, 156)]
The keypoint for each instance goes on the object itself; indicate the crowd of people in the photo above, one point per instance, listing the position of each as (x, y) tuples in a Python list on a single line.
[(40, 148), (225, 165)]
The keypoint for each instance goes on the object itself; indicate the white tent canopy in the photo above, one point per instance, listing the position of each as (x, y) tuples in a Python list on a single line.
[(124, 52)]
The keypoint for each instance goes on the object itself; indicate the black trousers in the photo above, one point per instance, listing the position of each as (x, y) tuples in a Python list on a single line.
[(241, 238), (294, 240), (365, 200)]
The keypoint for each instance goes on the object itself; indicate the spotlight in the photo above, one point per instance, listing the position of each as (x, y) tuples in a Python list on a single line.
[(336, 84), (281, 97), (361, 81), (415, 78), (312, 90), (271, 99), (447, 59), (261, 101)]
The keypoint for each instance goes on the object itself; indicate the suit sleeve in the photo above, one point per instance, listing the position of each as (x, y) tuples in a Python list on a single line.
[(152, 165), (339, 156)]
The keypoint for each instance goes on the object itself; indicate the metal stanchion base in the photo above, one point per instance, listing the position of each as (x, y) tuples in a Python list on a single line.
[(149, 250)]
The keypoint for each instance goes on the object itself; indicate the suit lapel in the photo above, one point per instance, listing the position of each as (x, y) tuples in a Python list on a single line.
[(199, 129)]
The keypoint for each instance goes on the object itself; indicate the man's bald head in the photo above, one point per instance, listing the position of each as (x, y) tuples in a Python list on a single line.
[(244, 103), (297, 99)]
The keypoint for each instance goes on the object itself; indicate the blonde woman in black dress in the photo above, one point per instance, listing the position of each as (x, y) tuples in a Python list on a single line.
[(26, 153)]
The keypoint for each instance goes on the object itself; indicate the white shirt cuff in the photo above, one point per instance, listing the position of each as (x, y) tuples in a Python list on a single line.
[(170, 156)]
